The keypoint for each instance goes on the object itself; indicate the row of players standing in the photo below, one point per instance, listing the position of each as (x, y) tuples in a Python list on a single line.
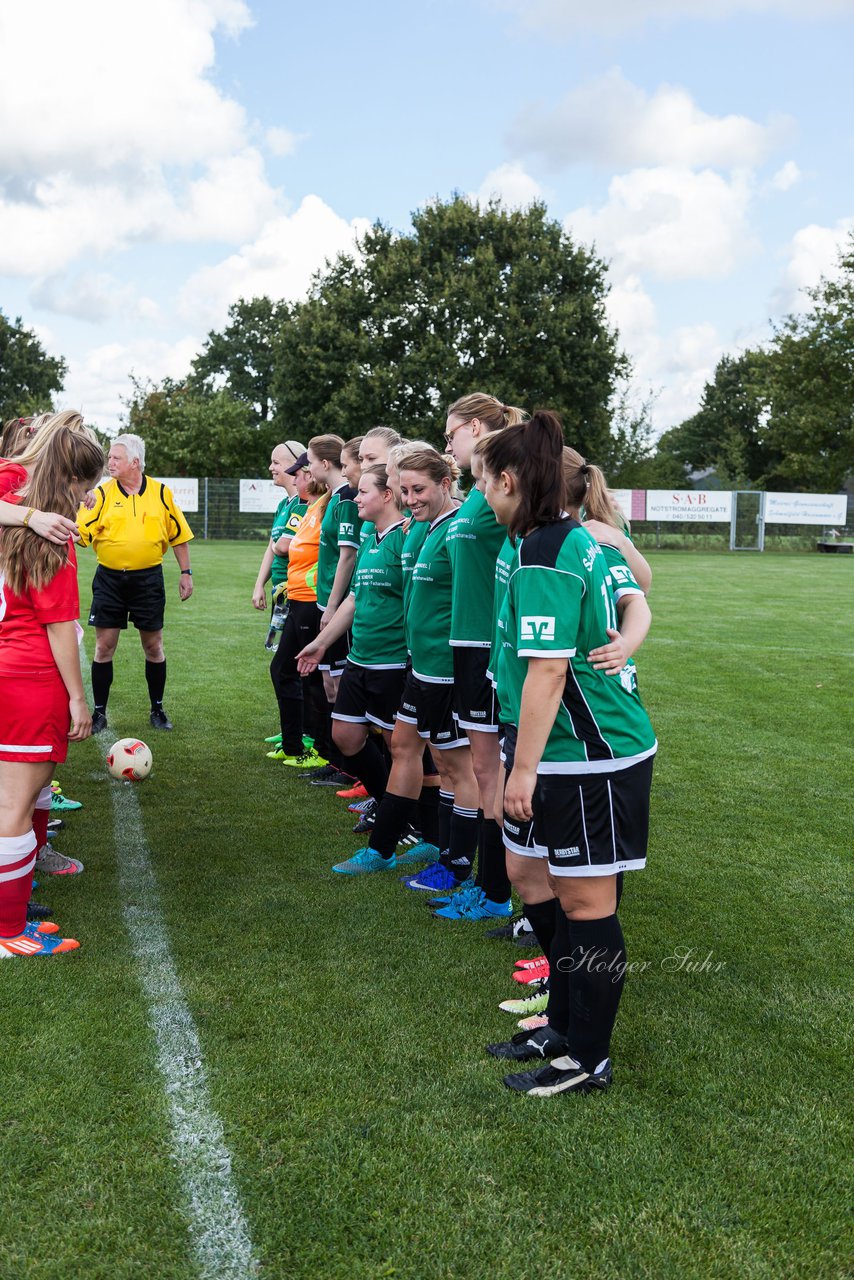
[(500, 633)]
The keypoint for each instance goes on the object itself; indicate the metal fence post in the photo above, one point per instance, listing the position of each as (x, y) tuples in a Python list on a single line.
[(205, 535)]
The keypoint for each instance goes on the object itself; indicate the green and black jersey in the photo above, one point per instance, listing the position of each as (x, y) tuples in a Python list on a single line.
[(377, 634), (286, 521), (504, 566), (429, 607), (559, 604), (339, 528), (474, 540), (412, 543)]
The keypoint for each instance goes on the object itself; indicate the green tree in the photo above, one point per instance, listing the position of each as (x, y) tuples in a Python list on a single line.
[(810, 386), (782, 416), (241, 358), (728, 432), (188, 433), (473, 297), (29, 377)]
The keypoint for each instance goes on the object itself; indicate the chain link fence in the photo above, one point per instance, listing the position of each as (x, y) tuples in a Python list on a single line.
[(219, 516)]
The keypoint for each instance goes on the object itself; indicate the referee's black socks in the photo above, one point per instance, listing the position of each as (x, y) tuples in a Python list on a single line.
[(155, 678), (102, 678)]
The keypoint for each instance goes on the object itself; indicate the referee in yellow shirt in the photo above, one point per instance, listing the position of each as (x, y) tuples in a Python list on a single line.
[(133, 520)]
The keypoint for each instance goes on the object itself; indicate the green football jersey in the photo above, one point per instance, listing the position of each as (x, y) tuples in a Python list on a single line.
[(412, 543), (429, 607), (504, 566), (340, 527), (559, 602), (367, 529), (378, 637), (286, 520), (474, 541)]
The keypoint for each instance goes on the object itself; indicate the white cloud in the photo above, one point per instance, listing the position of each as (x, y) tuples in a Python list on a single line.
[(671, 223), (813, 252), (670, 368), (111, 132), (98, 384), (281, 142), (786, 176), (279, 262), (611, 122), (96, 86), (511, 184), (567, 17), (92, 296)]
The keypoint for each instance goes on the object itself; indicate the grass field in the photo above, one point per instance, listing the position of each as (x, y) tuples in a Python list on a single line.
[(342, 1028)]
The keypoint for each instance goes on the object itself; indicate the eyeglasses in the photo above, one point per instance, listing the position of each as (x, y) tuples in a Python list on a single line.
[(449, 435)]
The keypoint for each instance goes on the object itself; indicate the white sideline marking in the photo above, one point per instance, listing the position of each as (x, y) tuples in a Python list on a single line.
[(219, 1232)]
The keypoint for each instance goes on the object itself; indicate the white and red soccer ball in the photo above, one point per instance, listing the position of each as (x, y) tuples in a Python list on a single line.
[(129, 759)]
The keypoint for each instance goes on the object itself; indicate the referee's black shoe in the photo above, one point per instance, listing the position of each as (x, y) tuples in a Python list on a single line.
[(99, 721), (542, 1043), (564, 1075), (159, 719)]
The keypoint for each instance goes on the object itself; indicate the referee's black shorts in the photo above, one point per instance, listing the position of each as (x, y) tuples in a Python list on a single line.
[(122, 594)]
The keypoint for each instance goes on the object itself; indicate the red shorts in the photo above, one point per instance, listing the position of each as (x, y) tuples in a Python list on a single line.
[(34, 717)]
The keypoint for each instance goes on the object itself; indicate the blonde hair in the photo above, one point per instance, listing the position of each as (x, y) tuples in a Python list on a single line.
[(587, 487), (491, 412), (44, 429), (15, 435), (70, 454), (387, 434)]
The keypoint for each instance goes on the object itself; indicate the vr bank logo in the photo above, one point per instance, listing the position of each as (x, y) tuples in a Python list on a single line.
[(536, 628)]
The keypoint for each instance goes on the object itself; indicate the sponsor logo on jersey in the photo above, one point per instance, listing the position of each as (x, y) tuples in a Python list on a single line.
[(621, 574), (590, 555), (538, 628), (568, 853), (346, 528)]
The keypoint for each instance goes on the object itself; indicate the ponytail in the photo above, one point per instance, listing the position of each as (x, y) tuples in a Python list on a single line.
[(533, 453), (587, 488)]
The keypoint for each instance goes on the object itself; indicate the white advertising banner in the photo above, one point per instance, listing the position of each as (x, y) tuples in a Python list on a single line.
[(260, 495), (185, 492), (806, 508), (688, 504), (623, 499)]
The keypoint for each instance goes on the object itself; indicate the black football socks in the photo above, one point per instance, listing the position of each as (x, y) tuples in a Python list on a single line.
[(102, 678)]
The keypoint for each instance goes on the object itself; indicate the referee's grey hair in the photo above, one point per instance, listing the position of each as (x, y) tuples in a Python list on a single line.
[(135, 447)]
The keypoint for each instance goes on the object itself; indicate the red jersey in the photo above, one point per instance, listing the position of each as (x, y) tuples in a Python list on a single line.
[(24, 646)]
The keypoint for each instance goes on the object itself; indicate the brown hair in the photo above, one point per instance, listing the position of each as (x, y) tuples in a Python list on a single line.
[(351, 447), (378, 473), (532, 452), (73, 455), (15, 436), (328, 449), (491, 412), (429, 462)]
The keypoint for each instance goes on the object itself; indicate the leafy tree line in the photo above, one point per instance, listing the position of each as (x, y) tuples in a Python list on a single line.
[(781, 416), (471, 298), (29, 377)]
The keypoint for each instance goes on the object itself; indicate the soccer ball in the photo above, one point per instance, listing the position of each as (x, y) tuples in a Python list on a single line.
[(129, 759)]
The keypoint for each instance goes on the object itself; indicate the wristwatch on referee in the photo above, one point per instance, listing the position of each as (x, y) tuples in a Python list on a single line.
[(190, 571)]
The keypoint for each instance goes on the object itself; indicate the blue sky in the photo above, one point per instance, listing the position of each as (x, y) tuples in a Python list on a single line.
[(170, 156)]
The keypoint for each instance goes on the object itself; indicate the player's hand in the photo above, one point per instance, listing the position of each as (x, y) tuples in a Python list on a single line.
[(185, 586), (518, 794), (308, 658), (259, 598), (81, 720), (54, 528), (89, 500), (325, 618), (610, 658), (604, 532)]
